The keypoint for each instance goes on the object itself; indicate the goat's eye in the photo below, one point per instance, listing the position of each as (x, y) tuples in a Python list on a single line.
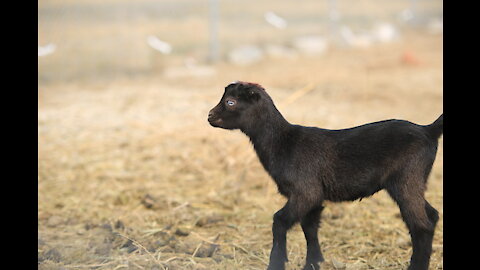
[(230, 102)]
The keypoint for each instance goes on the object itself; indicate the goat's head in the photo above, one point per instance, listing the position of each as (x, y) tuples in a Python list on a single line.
[(238, 106)]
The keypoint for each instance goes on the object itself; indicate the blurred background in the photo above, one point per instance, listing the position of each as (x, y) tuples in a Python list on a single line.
[(132, 176)]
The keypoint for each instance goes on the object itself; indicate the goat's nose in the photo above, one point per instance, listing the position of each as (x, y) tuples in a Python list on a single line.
[(210, 114)]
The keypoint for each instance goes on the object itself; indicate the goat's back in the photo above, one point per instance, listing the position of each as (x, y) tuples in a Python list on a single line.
[(356, 162)]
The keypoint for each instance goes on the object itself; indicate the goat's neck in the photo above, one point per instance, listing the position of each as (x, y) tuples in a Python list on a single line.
[(267, 136)]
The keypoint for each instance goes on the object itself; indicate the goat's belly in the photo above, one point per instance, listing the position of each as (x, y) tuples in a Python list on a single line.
[(350, 193)]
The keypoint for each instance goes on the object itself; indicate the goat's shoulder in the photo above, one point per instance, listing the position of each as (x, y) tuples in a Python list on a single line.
[(307, 144)]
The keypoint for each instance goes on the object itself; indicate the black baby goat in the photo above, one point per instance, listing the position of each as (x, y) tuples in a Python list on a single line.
[(312, 164)]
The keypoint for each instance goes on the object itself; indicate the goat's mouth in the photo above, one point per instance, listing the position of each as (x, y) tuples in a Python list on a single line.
[(215, 122)]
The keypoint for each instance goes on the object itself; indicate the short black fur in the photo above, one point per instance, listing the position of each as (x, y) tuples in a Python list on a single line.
[(310, 165)]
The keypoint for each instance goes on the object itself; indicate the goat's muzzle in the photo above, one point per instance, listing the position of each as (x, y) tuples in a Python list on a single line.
[(213, 120)]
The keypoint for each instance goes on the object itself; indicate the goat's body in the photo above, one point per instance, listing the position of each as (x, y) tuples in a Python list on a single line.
[(374, 153), (310, 165)]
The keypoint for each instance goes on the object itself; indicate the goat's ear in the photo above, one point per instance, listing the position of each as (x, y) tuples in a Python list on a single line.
[(252, 95), (252, 91)]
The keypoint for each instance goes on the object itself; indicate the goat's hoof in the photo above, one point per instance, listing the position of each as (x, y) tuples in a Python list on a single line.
[(312, 266), (415, 267), (276, 266)]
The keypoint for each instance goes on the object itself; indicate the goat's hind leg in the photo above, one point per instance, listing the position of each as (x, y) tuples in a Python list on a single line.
[(420, 218), (432, 213), (310, 224)]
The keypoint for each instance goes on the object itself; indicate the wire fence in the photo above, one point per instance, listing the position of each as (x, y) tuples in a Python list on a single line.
[(82, 40)]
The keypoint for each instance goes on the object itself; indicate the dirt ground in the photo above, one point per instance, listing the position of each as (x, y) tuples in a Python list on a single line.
[(131, 176)]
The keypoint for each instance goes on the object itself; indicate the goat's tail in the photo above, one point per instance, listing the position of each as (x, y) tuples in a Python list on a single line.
[(435, 129)]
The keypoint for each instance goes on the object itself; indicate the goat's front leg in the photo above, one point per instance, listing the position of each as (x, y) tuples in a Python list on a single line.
[(293, 211), (310, 224)]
